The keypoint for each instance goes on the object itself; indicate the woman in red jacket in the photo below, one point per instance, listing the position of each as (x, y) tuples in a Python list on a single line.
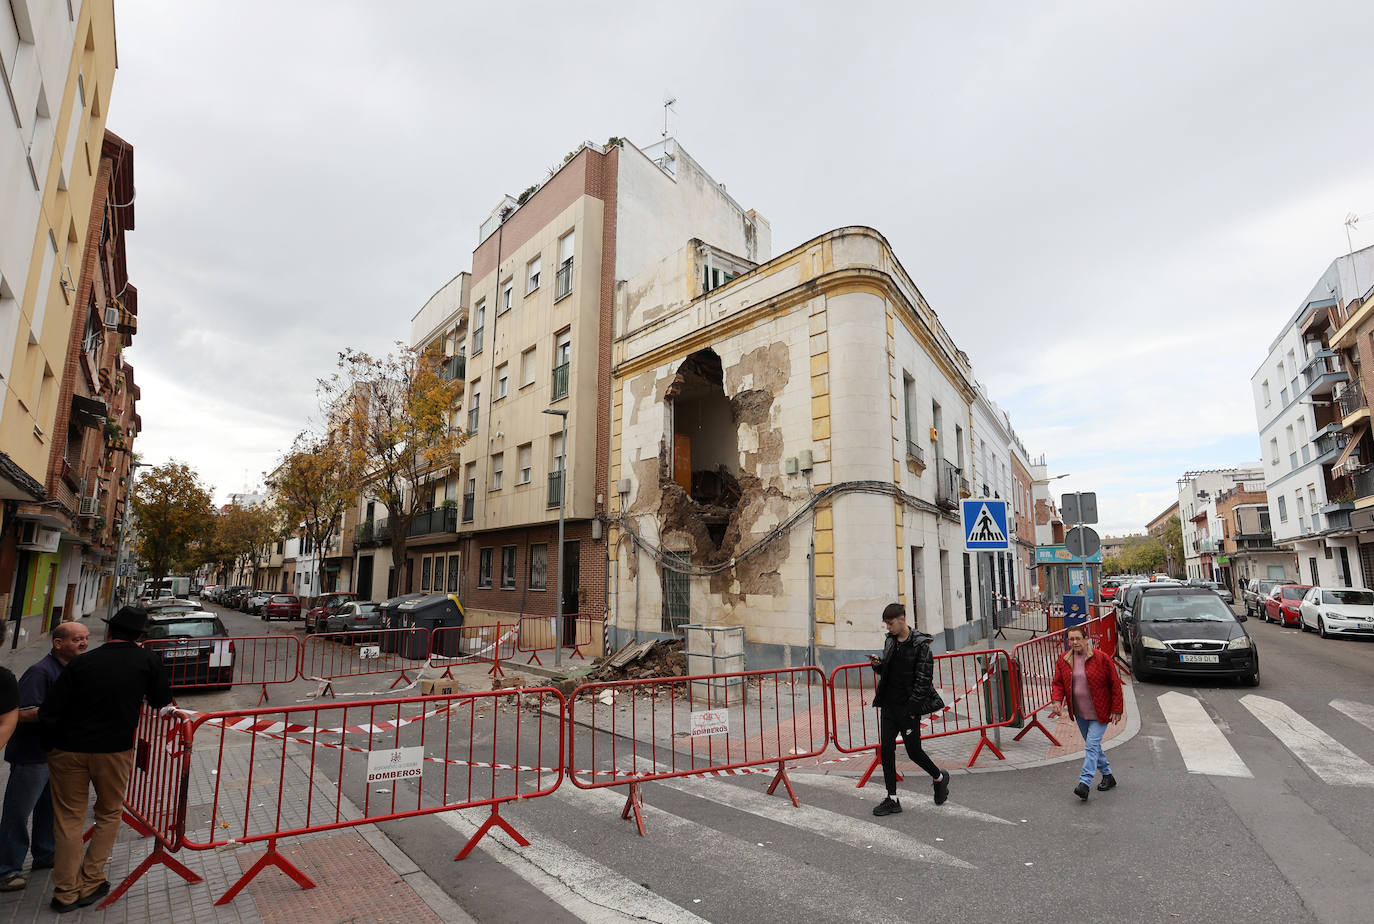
[(1085, 680)]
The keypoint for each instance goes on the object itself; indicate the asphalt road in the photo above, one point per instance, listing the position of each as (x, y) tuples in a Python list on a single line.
[(1234, 803)]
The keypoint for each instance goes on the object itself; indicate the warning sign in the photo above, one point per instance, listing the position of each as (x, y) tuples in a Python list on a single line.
[(369, 652), (985, 525), (710, 722), (395, 764)]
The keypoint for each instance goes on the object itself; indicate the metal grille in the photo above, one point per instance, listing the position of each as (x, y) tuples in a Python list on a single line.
[(676, 594)]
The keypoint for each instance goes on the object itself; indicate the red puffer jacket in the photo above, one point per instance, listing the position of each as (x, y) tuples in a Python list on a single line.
[(1103, 683)]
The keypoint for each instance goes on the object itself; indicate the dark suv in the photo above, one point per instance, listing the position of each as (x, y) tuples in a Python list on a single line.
[(1254, 595), (1175, 629)]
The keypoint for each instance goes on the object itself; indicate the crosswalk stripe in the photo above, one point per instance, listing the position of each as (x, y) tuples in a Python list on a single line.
[(1360, 712), (1203, 746), (845, 784), (1326, 757), (581, 886), (837, 827)]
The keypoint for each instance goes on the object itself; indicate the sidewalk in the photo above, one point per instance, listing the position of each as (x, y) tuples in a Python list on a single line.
[(360, 874)]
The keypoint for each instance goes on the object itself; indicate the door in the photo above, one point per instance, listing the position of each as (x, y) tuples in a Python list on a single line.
[(364, 577), (1312, 566), (572, 582), (1345, 565)]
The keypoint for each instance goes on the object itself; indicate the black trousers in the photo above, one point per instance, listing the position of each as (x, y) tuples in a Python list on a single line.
[(891, 723)]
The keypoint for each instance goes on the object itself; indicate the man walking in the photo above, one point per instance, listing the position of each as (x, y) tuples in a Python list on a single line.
[(26, 793), (89, 721)]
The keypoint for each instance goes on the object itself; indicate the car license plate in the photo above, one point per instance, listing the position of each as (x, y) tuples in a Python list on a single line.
[(1200, 658), (1367, 625), (181, 652)]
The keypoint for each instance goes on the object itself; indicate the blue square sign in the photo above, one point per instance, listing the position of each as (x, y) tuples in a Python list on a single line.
[(985, 525)]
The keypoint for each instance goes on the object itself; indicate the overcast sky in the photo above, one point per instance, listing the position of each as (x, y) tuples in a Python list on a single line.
[(1113, 207)]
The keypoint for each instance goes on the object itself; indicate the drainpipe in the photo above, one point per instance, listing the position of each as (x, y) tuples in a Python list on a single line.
[(811, 595)]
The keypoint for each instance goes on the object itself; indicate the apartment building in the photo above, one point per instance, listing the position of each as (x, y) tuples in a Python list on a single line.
[(1057, 570), (1023, 515), (1201, 526), (546, 277), (57, 62), (990, 475), (1156, 528), (1247, 539)]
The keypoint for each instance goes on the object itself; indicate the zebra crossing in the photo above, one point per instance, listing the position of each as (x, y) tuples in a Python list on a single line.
[(1206, 747)]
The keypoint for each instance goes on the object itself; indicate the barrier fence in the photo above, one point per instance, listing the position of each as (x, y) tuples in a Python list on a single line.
[(629, 732), (978, 688), (1031, 616), (327, 656), (1035, 659), (244, 660), (537, 633), (365, 762), (455, 646)]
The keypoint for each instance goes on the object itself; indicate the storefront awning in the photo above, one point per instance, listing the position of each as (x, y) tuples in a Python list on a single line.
[(1348, 459)]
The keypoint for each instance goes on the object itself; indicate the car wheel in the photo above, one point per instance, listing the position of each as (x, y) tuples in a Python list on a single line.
[(1140, 673), (1302, 624), (1321, 627), (1252, 679)]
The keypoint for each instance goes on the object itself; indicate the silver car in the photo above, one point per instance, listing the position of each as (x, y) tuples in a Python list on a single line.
[(354, 616)]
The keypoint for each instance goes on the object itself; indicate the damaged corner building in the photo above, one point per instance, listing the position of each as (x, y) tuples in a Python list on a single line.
[(788, 448)]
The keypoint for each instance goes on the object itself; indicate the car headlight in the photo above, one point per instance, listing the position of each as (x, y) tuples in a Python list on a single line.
[(1149, 641), (1333, 616), (1240, 641)]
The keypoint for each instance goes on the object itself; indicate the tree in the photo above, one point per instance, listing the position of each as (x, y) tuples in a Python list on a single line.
[(1173, 544), (245, 534), (315, 482), (174, 518), (397, 411)]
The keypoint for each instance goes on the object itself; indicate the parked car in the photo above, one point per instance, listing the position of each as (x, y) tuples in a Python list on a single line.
[(194, 647), (253, 604), (1110, 588), (1127, 597), (1281, 605), (354, 616), (1176, 629), (1221, 591), (282, 606), (172, 607), (327, 605), (1332, 611), (233, 597), (1254, 594)]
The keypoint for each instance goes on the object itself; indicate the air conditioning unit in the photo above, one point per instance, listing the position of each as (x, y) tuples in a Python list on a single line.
[(89, 506), (35, 538), (111, 317)]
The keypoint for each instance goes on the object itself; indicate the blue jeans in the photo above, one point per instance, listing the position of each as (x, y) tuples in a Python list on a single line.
[(1094, 760), (26, 794)]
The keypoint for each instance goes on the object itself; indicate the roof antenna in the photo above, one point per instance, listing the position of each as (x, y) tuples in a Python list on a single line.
[(669, 100)]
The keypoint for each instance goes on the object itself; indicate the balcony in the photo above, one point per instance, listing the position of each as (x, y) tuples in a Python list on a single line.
[(915, 453), (1351, 400), (435, 520), (1322, 372), (1337, 515), (364, 533), (477, 340), (555, 489), (563, 280), (469, 506), (454, 368), (1208, 546), (1363, 479), (949, 485), (560, 380), (1329, 446)]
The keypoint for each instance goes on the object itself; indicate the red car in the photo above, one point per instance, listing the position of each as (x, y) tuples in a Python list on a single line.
[(1109, 589), (327, 605), (282, 606), (1281, 606)]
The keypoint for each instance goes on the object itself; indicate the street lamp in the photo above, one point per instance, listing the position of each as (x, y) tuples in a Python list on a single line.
[(562, 500)]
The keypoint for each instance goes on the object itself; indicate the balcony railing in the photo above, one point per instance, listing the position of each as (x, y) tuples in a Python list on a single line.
[(949, 485), (560, 380), (914, 451), (477, 340), (1331, 442), (434, 520), (454, 368), (1351, 399), (555, 488), (1363, 479), (1209, 546), (563, 280), (469, 506)]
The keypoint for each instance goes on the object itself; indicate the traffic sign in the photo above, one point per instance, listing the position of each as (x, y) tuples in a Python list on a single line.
[(1082, 541), (1079, 507), (985, 525)]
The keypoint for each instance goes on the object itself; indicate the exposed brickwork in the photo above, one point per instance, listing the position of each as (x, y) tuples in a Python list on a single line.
[(522, 600), (553, 197)]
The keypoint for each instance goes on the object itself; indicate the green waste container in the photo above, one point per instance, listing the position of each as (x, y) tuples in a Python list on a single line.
[(1001, 684)]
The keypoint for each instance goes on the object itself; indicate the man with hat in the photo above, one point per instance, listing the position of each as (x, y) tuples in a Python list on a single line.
[(88, 723)]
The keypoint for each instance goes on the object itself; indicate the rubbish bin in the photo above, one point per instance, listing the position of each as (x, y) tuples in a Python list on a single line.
[(429, 612), (390, 618), (999, 692)]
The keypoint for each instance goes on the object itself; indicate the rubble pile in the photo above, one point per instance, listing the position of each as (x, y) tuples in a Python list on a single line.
[(636, 660)]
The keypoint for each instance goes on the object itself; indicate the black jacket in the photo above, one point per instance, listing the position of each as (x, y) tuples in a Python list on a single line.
[(905, 673), (94, 706)]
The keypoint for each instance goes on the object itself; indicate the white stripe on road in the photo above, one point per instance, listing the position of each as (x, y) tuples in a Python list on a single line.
[(1203, 746), (833, 825), (846, 785), (1360, 712), (584, 888), (1326, 757), (826, 894)]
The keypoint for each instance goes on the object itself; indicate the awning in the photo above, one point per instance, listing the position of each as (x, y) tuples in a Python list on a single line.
[(89, 412), (1348, 459)]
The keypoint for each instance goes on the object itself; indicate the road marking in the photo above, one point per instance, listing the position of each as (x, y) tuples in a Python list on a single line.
[(1360, 712), (1326, 757), (827, 894), (584, 888), (833, 825), (1203, 746), (845, 784)]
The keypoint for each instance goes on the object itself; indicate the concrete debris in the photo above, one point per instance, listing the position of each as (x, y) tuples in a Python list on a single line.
[(637, 660)]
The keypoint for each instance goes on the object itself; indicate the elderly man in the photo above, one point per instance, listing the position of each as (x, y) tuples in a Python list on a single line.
[(26, 793), (89, 721)]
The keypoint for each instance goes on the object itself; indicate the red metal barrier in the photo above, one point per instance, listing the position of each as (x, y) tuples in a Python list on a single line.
[(537, 633), (395, 758), (454, 646), (219, 662), (1035, 660), (325, 657), (155, 801), (971, 684), (633, 731), (1031, 616)]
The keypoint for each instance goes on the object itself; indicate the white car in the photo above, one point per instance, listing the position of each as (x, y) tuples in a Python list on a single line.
[(1337, 611)]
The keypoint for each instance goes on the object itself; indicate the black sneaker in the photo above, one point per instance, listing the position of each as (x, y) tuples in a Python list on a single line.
[(100, 892), (941, 787), (1081, 791), (62, 907), (889, 806), (1108, 782)]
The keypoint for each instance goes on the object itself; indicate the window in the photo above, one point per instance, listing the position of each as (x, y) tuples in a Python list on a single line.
[(1283, 395), (527, 367), (507, 296), (1264, 388), (539, 566), (532, 275), (523, 460), (563, 283), (469, 492), (438, 574), (453, 561), (484, 568), (913, 445), (562, 359), (498, 464), (1283, 509), (425, 565), (507, 567), (474, 412), (555, 469), (676, 593), (481, 315), (501, 378), (1274, 450), (1281, 376)]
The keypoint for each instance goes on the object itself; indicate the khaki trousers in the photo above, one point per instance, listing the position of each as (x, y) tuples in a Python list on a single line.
[(70, 778)]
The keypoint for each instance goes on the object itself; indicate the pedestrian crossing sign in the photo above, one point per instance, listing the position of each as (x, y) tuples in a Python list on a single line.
[(985, 525)]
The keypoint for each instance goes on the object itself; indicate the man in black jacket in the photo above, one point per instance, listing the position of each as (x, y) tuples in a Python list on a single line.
[(88, 723), (905, 681)]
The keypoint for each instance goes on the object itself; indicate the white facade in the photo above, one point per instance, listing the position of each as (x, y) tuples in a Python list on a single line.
[(989, 475), (1197, 513)]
